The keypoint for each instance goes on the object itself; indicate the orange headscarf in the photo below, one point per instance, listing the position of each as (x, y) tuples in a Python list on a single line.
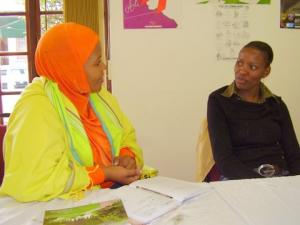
[(60, 56)]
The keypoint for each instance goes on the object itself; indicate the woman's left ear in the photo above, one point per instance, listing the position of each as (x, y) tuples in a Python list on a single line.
[(267, 72)]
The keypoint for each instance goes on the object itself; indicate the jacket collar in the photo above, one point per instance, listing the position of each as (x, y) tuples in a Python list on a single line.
[(265, 92)]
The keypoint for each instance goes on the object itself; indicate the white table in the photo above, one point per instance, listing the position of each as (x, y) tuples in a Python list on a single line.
[(273, 201)]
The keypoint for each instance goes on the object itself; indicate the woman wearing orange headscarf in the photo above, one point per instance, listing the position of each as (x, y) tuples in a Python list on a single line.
[(66, 133)]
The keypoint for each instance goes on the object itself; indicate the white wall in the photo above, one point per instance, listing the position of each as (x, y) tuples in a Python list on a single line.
[(162, 78)]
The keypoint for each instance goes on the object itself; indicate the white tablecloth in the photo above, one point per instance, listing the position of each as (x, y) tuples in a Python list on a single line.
[(272, 201)]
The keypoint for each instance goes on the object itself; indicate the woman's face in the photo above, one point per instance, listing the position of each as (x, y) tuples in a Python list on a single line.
[(250, 68), (94, 69)]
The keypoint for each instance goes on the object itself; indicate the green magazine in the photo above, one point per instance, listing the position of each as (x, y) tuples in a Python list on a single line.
[(104, 213)]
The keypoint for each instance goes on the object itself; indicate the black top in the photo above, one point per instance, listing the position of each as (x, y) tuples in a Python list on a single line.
[(245, 135)]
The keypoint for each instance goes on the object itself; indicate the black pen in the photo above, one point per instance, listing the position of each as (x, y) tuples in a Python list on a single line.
[(146, 189)]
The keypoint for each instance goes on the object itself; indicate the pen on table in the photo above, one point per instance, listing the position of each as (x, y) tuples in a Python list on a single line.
[(156, 192)]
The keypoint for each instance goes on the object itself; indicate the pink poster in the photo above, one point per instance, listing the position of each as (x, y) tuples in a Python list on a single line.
[(138, 15)]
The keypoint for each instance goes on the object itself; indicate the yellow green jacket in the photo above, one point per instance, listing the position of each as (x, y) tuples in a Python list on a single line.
[(38, 163)]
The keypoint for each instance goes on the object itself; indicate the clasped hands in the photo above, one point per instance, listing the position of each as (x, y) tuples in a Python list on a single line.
[(123, 170)]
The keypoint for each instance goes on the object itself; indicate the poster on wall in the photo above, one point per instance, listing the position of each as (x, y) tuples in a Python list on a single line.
[(290, 14), (232, 30), (150, 14), (235, 1)]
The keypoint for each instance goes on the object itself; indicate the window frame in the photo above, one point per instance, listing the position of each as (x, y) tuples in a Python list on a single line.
[(32, 15)]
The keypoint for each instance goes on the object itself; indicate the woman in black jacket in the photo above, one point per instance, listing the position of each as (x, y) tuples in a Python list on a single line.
[(250, 128)]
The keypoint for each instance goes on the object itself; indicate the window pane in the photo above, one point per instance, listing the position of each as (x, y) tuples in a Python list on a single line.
[(5, 120), (13, 73), (8, 102), (48, 21), (51, 5), (12, 34), (12, 6)]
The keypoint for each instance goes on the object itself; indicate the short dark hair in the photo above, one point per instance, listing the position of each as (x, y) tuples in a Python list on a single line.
[(264, 48)]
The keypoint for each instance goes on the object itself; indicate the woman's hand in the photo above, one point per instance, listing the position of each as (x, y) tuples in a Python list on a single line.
[(121, 175), (125, 161)]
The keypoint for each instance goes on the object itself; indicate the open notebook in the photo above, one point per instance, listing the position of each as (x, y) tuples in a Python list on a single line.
[(148, 199)]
